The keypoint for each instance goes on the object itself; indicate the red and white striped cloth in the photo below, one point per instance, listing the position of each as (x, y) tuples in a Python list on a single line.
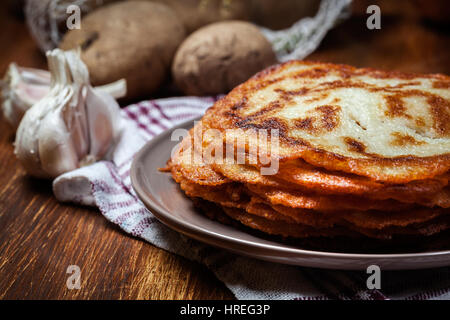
[(107, 185)]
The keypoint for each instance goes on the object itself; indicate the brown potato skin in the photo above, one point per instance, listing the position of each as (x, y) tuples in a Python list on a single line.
[(198, 13), (273, 14), (218, 57), (135, 40)]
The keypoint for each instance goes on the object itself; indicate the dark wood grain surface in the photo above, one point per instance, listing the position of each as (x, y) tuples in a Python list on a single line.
[(40, 238)]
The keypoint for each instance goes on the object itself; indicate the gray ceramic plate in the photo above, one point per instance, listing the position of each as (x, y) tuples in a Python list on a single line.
[(167, 202)]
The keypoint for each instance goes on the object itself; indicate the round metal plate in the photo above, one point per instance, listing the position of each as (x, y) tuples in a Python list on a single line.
[(167, 202)]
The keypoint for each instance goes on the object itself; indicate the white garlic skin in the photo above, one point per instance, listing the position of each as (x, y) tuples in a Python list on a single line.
[(23, 87), (73, 125)]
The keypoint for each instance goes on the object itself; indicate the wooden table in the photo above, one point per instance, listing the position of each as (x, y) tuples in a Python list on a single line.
[(40, 237)]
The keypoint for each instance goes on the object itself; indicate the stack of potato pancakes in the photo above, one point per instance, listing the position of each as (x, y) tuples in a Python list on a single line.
[(309, 149)]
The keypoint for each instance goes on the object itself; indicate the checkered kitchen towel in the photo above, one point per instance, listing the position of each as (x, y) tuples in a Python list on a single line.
[(107, 185)]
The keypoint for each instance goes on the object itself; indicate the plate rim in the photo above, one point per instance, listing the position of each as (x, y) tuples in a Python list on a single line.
[(217, 239)]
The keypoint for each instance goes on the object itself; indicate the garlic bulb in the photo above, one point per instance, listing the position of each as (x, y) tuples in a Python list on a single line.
[(23, 87), (74, 124)]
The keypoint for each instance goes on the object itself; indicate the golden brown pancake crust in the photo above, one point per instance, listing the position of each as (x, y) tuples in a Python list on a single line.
[(236, 111), (372, 223)]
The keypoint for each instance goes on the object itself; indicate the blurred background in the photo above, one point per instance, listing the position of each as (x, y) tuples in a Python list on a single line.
[(414, 36)]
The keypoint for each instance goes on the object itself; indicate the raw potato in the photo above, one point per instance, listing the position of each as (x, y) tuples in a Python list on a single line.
[(197, 13), (135, 40), (273, 14), (216, 58)]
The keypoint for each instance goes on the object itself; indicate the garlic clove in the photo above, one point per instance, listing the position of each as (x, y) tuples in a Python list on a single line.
[(57, 150), (26, 143), (28, 94), (102, 121), (74, 115), (21, 88)]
